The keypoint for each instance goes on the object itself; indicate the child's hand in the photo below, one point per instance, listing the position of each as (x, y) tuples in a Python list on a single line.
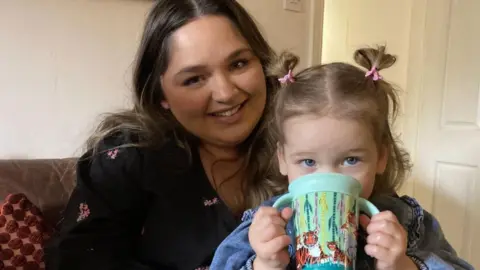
[(387, 241), (268, 238)]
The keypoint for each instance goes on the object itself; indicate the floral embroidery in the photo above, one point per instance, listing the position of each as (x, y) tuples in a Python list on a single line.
[(84, 212), (249, 264), (211, 202), (248, 215), (112, 154), (420, 264), (415, 228)]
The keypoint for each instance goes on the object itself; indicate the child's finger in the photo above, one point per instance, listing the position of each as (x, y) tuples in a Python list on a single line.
[(385, 226), (385, 215), (274, 219), (383, 240), (271, 232), (264, 211), (286, 214), (277, 244), (269, 227), (364, 221), (378, 252)]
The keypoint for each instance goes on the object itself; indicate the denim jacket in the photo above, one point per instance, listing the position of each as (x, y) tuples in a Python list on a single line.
[(427, 246)]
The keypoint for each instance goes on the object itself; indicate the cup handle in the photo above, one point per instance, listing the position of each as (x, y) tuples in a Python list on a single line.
[(283, 201), (367, 207)]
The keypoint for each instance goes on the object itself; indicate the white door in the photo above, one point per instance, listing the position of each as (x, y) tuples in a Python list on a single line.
[(443, 117)]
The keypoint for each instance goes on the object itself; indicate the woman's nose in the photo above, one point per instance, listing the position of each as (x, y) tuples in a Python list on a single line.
[(223, 89)]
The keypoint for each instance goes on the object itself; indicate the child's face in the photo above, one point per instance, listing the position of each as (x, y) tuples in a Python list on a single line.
[(325, 144)]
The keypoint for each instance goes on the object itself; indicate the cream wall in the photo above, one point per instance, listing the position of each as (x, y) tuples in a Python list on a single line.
[(351, 24), (62, 63), (297, 31)]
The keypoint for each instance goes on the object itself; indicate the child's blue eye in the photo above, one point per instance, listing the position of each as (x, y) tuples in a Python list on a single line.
[(350, 161), (308, 162)]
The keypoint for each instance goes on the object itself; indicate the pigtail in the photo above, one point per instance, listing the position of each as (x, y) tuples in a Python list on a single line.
[(374, 58), (283, 66), (398, 165)]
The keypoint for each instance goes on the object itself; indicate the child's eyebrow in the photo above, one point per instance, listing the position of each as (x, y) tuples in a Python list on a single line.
[(354, 151), (301, 154), (357, 150)]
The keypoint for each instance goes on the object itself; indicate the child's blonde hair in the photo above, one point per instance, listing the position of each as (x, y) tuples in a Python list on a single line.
[(342, 90)]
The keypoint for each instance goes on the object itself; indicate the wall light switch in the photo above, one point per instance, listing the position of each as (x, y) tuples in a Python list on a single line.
[(293, 5)]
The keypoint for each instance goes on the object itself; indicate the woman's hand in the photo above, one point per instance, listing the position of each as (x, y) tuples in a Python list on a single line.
[(268, 238), (387, 241)]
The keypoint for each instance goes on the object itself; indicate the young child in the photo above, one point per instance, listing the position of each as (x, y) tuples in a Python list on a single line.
[(336, 118)]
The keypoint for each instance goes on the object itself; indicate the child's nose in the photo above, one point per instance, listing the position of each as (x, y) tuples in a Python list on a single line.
[(328, 169)]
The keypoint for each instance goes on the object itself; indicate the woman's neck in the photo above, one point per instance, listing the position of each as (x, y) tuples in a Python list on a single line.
[(223, 167), (217, 153)]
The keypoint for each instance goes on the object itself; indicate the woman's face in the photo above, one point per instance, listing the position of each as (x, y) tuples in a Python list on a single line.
[(214, 84)]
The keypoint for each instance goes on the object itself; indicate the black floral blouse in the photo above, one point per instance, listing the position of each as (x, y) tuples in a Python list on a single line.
[(140, 209)]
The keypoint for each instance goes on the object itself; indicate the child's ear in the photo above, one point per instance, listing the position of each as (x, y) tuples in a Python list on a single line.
[(382, 159), (282, 164)]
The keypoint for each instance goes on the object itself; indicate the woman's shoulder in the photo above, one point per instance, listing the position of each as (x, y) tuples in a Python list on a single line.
[(135, 148), (110, 161), (126, 154), (122, 166), (110, 153)]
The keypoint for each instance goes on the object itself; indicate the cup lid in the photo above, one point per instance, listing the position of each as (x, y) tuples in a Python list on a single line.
[(325, 182)]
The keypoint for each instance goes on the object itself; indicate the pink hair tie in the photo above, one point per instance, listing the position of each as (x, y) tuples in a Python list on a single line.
[(374, 72), (287, 78)]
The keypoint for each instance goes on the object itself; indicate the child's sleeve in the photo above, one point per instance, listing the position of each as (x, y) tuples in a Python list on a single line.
[(427, 245), (235, 252)]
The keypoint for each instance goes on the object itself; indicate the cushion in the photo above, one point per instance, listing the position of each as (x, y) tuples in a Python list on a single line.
[(23, 232)]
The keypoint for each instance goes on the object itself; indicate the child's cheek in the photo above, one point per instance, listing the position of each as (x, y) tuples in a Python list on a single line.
[(367, 189)]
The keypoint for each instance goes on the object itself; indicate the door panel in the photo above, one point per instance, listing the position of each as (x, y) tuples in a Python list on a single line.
[(447, 152)]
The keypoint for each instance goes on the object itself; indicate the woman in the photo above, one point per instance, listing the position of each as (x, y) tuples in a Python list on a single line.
[(163, 184)]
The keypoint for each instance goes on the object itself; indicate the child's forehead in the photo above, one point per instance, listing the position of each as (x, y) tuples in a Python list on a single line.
[(309, 133)]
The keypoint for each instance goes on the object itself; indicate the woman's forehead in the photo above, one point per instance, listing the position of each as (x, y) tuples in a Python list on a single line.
[(209, 40)]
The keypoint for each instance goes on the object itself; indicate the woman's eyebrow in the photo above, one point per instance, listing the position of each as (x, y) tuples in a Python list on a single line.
[(189, 69), (197, 68), (238, 52)]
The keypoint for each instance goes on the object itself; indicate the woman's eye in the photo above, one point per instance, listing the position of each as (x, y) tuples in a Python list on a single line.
[(239, 64), (308, 162), (192, 80), (350, 161)]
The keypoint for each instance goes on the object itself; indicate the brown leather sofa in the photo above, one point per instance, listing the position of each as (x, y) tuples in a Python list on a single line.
[(47, 183)]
